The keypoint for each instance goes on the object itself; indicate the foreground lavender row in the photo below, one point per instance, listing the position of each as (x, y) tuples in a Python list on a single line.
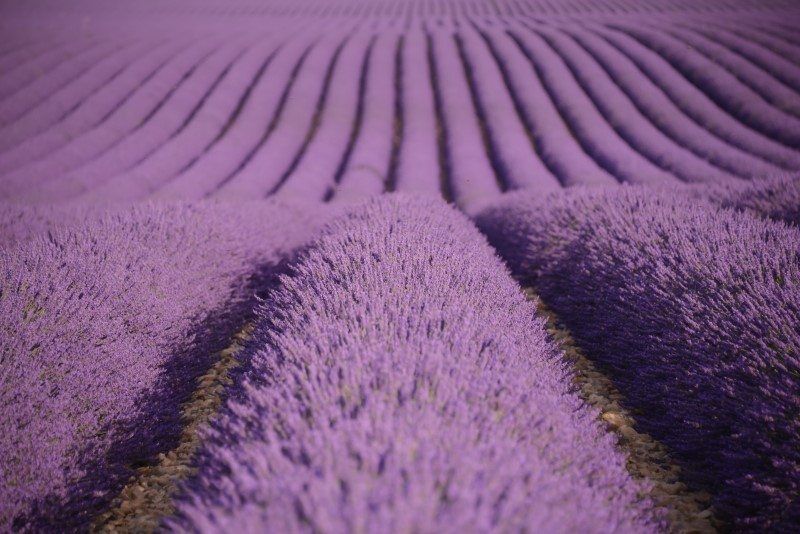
[(440, 98), (695, 312), (398, 380), (104, 326), (134, 328)]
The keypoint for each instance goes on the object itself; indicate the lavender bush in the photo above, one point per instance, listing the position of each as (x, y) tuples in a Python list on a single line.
[(695, 313), (777, 197), (399, 380), (104, 327)]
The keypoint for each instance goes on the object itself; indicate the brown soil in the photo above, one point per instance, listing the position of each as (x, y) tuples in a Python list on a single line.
[(148, 496), (648, 459)]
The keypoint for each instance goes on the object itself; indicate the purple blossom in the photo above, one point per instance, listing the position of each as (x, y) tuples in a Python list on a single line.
[(777, 197), (434, 394), (399, 380), (700, 62), (366, 167), (105, 325), (694, 312)]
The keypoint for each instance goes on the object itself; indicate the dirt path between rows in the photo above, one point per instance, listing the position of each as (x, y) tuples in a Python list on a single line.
[(648, 459), (147, 498)]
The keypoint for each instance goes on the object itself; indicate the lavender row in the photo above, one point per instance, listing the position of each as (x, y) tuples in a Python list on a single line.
[(589, 127), (33, 103), (419, 152), (24, 76), (695, 313), (157, 127), (112, 129), (105, 324), (91, 113), (722, 87), (468, 170), (314, 175), (206, 123), (367, 169), (398, 380), (765, 84), (655, 104), (475, 108), (555, 143), (250, 127), (758, 42), (62, 102), (634, 128), (22, 58), (751, 47), (513, 151), (697, 105), (406, 8), (267, 170)]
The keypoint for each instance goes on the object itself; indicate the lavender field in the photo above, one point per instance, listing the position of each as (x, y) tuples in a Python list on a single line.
[(400, 266)]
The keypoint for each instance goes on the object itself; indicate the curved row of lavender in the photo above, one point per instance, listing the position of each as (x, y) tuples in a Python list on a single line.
[(105, 324), (463, 106), (695, 313), (399, 380), (776, 198)]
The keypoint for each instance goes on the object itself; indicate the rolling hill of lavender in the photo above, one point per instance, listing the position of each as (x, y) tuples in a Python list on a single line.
[(400, 266)]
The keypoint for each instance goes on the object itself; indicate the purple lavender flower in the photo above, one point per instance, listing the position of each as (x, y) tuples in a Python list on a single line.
[(104, 327), (399, 380), (776, 197), (695, 313)]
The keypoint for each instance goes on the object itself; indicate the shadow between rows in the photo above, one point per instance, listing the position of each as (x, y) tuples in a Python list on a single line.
[(159, 425)]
